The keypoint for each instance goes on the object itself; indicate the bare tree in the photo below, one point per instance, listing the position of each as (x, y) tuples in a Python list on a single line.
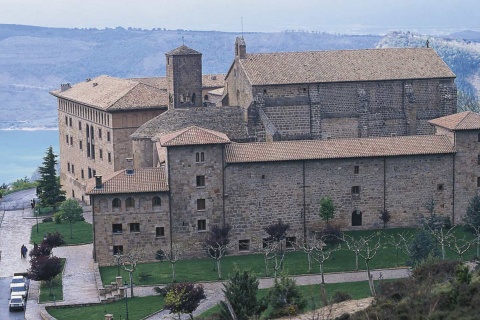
[(459, 245), (273, 246), (173, 254), (128, 261), (217, 243), (399, 241), (442, 236)]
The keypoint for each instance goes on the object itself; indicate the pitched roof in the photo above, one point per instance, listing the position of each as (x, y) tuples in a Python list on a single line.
[(228, 120), (109, 93), (208, 81), (337, 148), (182, 51), (344, 66), (142, 180), (192, 136), (466, 120)]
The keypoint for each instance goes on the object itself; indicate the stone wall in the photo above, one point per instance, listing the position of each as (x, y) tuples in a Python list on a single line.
[(148, 217), (184, 80)]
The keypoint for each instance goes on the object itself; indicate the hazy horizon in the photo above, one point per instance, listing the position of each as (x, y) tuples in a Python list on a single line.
[(341, 16)]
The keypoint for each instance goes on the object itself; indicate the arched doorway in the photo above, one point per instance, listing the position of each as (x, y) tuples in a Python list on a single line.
[(356, 218)]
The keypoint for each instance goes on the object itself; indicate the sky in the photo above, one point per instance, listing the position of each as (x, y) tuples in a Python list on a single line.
[(342, 16)]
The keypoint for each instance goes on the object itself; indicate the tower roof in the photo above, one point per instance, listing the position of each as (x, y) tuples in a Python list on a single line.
[(182, 51), (193, 135), (467, 120)]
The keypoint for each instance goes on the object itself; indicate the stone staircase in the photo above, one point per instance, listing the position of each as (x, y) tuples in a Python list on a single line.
[(110, 292)]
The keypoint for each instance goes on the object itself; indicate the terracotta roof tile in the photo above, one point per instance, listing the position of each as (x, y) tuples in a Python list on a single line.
[(208, 81), (344, 66), (142, 180), (467, 120), (192, 136), (109, 93), (337, 148)]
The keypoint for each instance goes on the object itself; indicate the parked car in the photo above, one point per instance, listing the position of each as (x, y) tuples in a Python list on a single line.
[(18, 280), (16, 302), (19, 289)]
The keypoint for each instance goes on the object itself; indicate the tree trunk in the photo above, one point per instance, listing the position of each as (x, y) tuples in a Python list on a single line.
[(356, 261), (71, 234), (219, 270), (131, 284), (321, 272), (173, 272)]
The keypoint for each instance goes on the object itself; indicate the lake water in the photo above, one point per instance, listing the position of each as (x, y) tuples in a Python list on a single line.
[(22, 152)]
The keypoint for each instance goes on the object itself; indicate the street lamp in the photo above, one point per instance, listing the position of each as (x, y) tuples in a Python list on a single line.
[(125, 287)]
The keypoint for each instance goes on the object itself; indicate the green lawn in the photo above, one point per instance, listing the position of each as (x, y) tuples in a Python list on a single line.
[(81, 231), (295, 263), (138, 308), (57, 288), (358, 290)]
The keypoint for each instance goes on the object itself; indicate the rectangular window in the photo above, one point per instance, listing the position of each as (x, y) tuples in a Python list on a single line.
[(70, 121), (356, 169), (479, 137), (101, 153), (356, 190), (99, 133), (117, 228), (71, 140), (200, 204), (160, 231), (290, 242), (478, 182), (94, 173), (82, 174), (88, 149), (89, 173), (478, 161), (66, 122), (243, 245), (200, 181), (108, 136), (68, 166), (109, 157), (117, 249), (80, 145), (73, 168), (80, 125), (66, 139), (135, 227), (440, 187), (202, 225)]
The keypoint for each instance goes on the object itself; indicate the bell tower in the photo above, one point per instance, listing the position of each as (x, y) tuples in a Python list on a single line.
[(184, 77)]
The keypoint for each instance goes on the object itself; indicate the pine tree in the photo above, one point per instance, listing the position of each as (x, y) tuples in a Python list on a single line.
[(241, 292), (49, 188)]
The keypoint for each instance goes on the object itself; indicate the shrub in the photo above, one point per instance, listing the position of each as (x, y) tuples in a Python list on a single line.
[(339, 296), (57, 217), (285, 297), (144, 276), (330, 234), (53, 240), (422, 246), (184, 298), (47, 219)]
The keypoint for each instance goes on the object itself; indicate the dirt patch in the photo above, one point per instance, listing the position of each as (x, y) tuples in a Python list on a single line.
[(335, 310)]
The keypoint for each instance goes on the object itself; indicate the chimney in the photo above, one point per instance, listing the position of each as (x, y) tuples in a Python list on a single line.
[(129, 169), (64, 87), (98, 182)]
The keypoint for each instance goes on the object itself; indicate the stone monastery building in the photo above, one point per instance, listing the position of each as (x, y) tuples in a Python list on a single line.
[(373, 129)]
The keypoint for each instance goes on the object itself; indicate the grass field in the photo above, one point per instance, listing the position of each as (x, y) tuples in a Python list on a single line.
[(138, 308), (57, 288), (295, 263), (81, 231)]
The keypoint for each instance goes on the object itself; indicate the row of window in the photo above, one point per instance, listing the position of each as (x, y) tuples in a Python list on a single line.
[(130, 202), (91, 172), (89, 129), (84, 112)]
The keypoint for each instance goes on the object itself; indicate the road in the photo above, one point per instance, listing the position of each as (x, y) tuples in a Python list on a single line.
[(4, 297), (18, 200)]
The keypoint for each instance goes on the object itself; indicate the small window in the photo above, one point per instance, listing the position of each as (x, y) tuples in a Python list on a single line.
[(440, 187), (156, 202), (478, 182), (71, 140), (94, 173), (101, 153), (80, 125), (478, 161), (68, 166), (205, 97), (82, 173), (70, 121), (73, 168), (200, 204), (116, 203), (199, 157), (109, 157), (66, 122), (130, 202), (66, 139), (160, 231), (117, 249), (80, 144), (479, 137), (356, 190), (117, 228), (89, 173), (202, 225), (108, 136), (356, 169), (200, 181), (356, 218), (99, 133), (243, 245), (135, 227), (290, 242)]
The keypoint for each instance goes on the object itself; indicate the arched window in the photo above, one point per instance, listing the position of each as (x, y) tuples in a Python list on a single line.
[(130, 203), (156, 202), (194, 96), (103, 205), (356, 218), (116, 203)]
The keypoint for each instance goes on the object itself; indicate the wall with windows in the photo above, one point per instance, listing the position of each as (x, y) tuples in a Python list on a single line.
[(130, 222)]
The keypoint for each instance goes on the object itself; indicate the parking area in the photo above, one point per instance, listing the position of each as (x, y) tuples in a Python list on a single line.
[(4, 300)]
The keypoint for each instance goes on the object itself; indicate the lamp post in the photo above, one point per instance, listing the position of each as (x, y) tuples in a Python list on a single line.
[(125, 287), (36, 216)]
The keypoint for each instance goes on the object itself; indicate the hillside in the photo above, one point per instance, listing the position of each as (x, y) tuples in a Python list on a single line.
[(35, 60)]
